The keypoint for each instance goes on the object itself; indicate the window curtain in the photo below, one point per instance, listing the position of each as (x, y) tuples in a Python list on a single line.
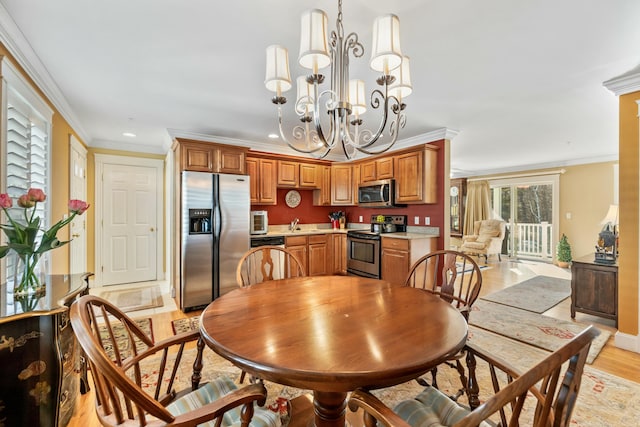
[(478, 205)]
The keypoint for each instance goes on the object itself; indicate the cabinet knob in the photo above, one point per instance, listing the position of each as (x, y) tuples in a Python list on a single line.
[(75, 235)]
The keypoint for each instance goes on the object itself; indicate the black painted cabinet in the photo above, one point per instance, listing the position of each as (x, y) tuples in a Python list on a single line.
[(40, 361)]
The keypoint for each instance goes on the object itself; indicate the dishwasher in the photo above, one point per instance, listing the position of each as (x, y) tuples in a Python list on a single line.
[(267, 241), (278, 258)]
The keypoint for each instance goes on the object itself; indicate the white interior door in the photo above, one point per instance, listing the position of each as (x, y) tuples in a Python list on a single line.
[(129, 224), (78, 190)]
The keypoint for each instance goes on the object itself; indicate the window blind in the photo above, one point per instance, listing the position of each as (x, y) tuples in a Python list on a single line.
[(26, 163)]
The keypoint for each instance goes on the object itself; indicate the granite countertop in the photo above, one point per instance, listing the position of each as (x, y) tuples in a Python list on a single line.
[(311, 229)]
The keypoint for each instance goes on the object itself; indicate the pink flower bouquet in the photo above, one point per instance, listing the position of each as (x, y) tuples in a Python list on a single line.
[(22, 233)]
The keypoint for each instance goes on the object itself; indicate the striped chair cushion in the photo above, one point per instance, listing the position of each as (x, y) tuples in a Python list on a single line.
[(431, 408), (213, 391)]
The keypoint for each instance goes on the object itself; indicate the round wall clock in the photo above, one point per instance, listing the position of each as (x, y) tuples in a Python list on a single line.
[(292, 199)]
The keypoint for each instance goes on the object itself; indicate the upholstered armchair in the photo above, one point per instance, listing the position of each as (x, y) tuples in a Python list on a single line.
[(486, 239)]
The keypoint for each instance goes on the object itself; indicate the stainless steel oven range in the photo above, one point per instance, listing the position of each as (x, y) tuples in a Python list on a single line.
[(364, 247)]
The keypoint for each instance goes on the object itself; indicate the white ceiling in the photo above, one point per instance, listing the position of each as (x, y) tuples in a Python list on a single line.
[(520, 82)]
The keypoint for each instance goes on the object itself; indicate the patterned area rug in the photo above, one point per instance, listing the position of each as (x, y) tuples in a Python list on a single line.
[(135, 299), (121, 338), (537, 294), (604, 400), (537, 330)]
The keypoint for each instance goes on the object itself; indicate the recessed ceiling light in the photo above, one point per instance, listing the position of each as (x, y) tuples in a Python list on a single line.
[(129, 134), (274, 136)]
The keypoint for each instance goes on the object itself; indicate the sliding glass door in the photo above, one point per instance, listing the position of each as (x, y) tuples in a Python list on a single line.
[(529, 205)]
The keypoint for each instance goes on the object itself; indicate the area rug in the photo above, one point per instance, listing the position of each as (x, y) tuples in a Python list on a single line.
[(121, 338), (604, 399), (135, 299), (537, 330), (537, 294), (185, 325)]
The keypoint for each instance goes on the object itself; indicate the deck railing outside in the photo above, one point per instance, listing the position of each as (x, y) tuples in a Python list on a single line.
[(531, 240)]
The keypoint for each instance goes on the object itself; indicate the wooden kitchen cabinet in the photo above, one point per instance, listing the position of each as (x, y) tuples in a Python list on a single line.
[(201, 156), (309, 175), (288, 173), (298, 245), (297, 174), (339, 249), (318, 253), (594, 288), (322, 195), (262, 174), (198, 157), (416, 176), (398, 255), (377, 169), (312, 251), (342, 184)]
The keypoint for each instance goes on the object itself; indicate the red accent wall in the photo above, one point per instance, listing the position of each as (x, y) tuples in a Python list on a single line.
[(309, 214), (305, 211)]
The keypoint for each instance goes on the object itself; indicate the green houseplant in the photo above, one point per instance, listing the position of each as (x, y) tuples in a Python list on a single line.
[(563, 252)]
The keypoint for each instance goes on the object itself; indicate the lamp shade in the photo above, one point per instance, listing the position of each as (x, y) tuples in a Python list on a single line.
[(385, 50), (305, 94), (401, 87), (611, 217), (356, 97), (314, 48), (277, 77)]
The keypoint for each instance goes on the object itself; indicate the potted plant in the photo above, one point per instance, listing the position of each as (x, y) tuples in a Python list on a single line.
[(563, 252)]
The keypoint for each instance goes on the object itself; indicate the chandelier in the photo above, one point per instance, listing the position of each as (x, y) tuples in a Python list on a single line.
[(333, 116)]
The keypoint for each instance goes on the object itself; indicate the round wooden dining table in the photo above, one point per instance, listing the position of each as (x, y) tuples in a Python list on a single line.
[(332, 335)]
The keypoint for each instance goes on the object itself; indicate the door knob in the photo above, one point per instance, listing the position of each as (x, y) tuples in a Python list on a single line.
[(152, 229)]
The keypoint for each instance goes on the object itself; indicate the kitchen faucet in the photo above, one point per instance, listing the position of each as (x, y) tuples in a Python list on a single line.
[(294, 224)]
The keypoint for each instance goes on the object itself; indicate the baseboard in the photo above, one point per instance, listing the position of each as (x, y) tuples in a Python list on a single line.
[(627, 342)]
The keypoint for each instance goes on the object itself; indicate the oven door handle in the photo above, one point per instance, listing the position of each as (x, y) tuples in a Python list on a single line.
[(364, 237)]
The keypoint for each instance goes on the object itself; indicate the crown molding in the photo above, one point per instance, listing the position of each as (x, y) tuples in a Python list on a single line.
[(15, 42), (277, 147), (625, 83)]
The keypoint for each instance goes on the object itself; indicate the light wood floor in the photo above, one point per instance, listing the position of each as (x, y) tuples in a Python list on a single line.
[(500, 275)]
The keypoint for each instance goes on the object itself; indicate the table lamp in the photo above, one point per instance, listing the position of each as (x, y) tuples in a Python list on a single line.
[(607, 247)]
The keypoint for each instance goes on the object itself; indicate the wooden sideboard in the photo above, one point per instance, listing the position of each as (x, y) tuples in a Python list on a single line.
[(40, 361), (594, 288)]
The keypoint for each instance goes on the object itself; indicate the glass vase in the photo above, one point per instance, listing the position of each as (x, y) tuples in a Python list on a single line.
[(27, 279)]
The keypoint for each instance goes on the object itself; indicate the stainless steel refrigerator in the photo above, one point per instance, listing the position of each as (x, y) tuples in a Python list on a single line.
[(215, 235)]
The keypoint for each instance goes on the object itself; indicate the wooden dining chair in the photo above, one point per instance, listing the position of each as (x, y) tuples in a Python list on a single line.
[(554, 394), (267, 263), (456, 278), (135, 378)]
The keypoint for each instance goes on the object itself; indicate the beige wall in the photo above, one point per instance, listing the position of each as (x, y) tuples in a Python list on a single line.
[(586, 191)]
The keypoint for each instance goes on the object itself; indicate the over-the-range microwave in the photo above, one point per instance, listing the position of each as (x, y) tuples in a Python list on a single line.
[(377, 194)]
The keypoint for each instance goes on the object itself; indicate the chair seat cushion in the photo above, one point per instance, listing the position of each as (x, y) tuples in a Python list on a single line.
[(214, 390), (431, 408)]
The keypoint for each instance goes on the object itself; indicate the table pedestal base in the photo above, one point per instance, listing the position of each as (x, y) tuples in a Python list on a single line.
[(302, 413)]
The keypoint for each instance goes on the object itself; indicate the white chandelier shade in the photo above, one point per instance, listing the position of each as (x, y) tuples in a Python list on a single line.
[(314, 49), (356, 97), (401, 87), (331, 116), (277, 78), (386, 54)]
